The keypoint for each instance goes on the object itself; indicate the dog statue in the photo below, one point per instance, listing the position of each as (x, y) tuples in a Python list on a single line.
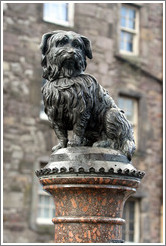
[(76, 101)]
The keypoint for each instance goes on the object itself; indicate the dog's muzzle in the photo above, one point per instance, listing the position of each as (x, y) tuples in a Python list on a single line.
[(70, 59)]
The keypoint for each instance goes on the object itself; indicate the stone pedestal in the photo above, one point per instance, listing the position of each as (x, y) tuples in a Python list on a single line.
[(89, 187)]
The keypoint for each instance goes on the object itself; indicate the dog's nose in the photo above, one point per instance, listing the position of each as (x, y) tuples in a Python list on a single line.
[(71, 51)]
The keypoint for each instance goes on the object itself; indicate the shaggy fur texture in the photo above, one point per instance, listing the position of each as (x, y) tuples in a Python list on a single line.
[(76, 101)]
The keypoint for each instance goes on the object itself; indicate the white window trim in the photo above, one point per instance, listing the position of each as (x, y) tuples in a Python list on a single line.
[(42, 221), (70, 22), (137, 222), (135, 33)]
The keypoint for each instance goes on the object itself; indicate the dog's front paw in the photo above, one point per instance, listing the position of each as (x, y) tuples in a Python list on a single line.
[(58, 146), (74, 144), (76, 141)]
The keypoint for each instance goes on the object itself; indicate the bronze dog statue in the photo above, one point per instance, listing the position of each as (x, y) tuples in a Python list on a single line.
[(76, 101)]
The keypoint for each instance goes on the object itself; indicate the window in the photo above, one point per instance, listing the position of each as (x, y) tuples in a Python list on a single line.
[(45, 208), (42, 205), (43, 115), (129, 24), (130, 107), (59, 13), (45, 204), (130, 231)]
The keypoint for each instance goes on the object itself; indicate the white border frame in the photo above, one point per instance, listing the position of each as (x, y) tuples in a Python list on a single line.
[(163, 2)]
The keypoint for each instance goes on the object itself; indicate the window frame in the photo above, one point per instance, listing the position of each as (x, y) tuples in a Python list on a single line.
[(42, 220), (134, 32), (136, 220), (135, 116), (69, 23), (38, 224)]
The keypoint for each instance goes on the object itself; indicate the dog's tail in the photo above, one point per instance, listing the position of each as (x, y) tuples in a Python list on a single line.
[(120, 131)]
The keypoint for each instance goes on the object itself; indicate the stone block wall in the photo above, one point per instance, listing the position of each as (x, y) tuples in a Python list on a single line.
[(27, 137)]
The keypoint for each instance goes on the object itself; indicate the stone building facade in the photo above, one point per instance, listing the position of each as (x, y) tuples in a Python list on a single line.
[(127, 62)]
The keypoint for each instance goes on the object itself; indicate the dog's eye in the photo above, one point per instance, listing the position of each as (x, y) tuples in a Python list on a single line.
[(61, 43), (77, 45)]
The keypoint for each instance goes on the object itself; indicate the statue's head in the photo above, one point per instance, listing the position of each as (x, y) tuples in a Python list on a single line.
[(64, 54)]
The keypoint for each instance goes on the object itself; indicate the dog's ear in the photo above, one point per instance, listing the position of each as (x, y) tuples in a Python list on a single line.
[(44, 48), (88, 50), (43, 45), (45, 37)]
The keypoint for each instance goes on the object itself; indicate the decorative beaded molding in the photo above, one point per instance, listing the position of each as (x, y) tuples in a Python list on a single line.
[(81, 170)]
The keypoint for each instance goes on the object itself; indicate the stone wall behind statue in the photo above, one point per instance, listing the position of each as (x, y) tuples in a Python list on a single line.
[(28, 139)]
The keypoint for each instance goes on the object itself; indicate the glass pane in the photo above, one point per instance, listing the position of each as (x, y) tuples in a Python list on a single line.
[(42, 109), (53, 212), (131, 226), (132, 13), (128, 17), (46, 208), (40, 187), (123, 22), (46, 213), (132, 211), (52, 202), (123, 11), (120, 103), (124, 214), (131, 24), (123, 233), (122, 35), (67, 11), (126, 42), (46, 200), (41, 199), (132, 206), (129, 117), (128, 106), (60, 11), (39, 212), (129, 36), (131, 237), (122, 41), (129, 47), (43, 82), (56, 11), (122, 45), (128, 229)]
